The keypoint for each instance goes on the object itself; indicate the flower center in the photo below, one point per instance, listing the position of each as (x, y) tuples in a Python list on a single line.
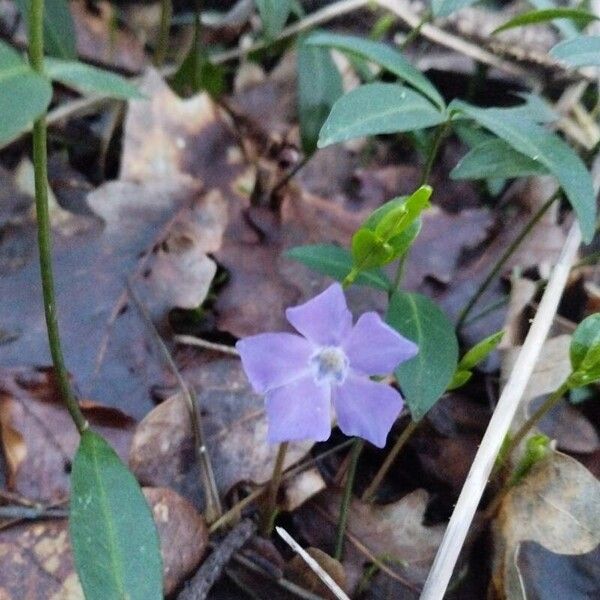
[(330, 365)]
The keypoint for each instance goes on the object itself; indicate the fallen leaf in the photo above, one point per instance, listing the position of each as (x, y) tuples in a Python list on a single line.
[(299, 572), (392, 533), (39, 439), (547, 575), (183, 535), (36, 562), (300, 488), (235, 429), (556, 505)]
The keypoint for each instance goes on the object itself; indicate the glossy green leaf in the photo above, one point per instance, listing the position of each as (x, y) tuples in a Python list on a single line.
[(377, 108), (369, 250), (274, 15), (585, 343), (386, 57), (496, 159), (59, 31), (566, 27), (89, 80), (424, 378), (581, 51), (547, 14), (24, 95), (480, 351), (114, 539), (319, 86), (443, 8), (336, 262), (549, 150)]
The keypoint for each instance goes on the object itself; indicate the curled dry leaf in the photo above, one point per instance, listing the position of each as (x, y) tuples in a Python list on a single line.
[(36, 562), (556, 505), (299, 572), (38, 437), (392, 534), (235, 428), (183, 535)]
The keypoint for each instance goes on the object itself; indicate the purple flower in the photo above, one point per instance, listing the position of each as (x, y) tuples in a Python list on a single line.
[(332, 360)]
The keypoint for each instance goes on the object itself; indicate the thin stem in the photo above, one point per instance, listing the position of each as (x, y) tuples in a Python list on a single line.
[(291, 173), (414, 32), (483, 286), (269, 511), (357, 446), (162, 42), (40, 159), (440, 134), (546, 406), (371, 490)]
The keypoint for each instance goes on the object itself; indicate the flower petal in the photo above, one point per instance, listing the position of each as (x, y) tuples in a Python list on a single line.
[(300, 410), (374, 348), (274, 359), (366, 409), (325, 319)]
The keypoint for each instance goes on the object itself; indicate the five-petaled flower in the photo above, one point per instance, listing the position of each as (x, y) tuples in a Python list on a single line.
[(332, 360)]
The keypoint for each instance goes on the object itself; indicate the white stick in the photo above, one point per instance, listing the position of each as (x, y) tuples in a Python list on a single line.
[(338, 592), (471, 493)]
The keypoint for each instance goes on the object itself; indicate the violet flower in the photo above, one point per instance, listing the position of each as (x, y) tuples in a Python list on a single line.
[(331, 361)]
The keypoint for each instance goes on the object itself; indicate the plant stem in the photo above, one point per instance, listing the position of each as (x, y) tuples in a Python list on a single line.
[(36, 57), (414, 32), (162, 43), (547, 405), (483, 286), (269, 511), (440, 134), (357, 446), (370, 492)]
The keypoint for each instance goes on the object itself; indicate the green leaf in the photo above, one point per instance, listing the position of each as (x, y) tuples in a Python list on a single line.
[(196, 73), (443, 8), (319, 86), (274, 15), (89, 80), (460, 378), (424, 378), (496, 159), (480, 350), (24, 95), (585, 343), (383, 55), (377, 108), (369, 251), (548, 14), (566, 27), (581, 51), (549, 150), (337, 263), (114, 539), (59, 31)]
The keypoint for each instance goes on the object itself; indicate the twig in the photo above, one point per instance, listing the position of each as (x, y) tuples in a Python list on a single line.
[(31, 513), (283, 583), (213, 503), (323, 575), (205, 577), (190, 340), (476, 481)]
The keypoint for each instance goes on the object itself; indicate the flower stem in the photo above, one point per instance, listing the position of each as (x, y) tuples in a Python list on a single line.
[(162, 43), (483, 286), (546, 406), (357, 446), (370, 492), (36, 57), (270, 508)]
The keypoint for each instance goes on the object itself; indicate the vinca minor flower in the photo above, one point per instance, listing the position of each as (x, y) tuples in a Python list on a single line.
[(330, 361)]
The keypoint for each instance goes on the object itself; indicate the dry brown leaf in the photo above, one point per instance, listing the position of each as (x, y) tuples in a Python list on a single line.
[(39, 439), (300, 488), (183, 535), (234, 425), (556, 505), (36, 562), (299, 572), (392, 534)]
